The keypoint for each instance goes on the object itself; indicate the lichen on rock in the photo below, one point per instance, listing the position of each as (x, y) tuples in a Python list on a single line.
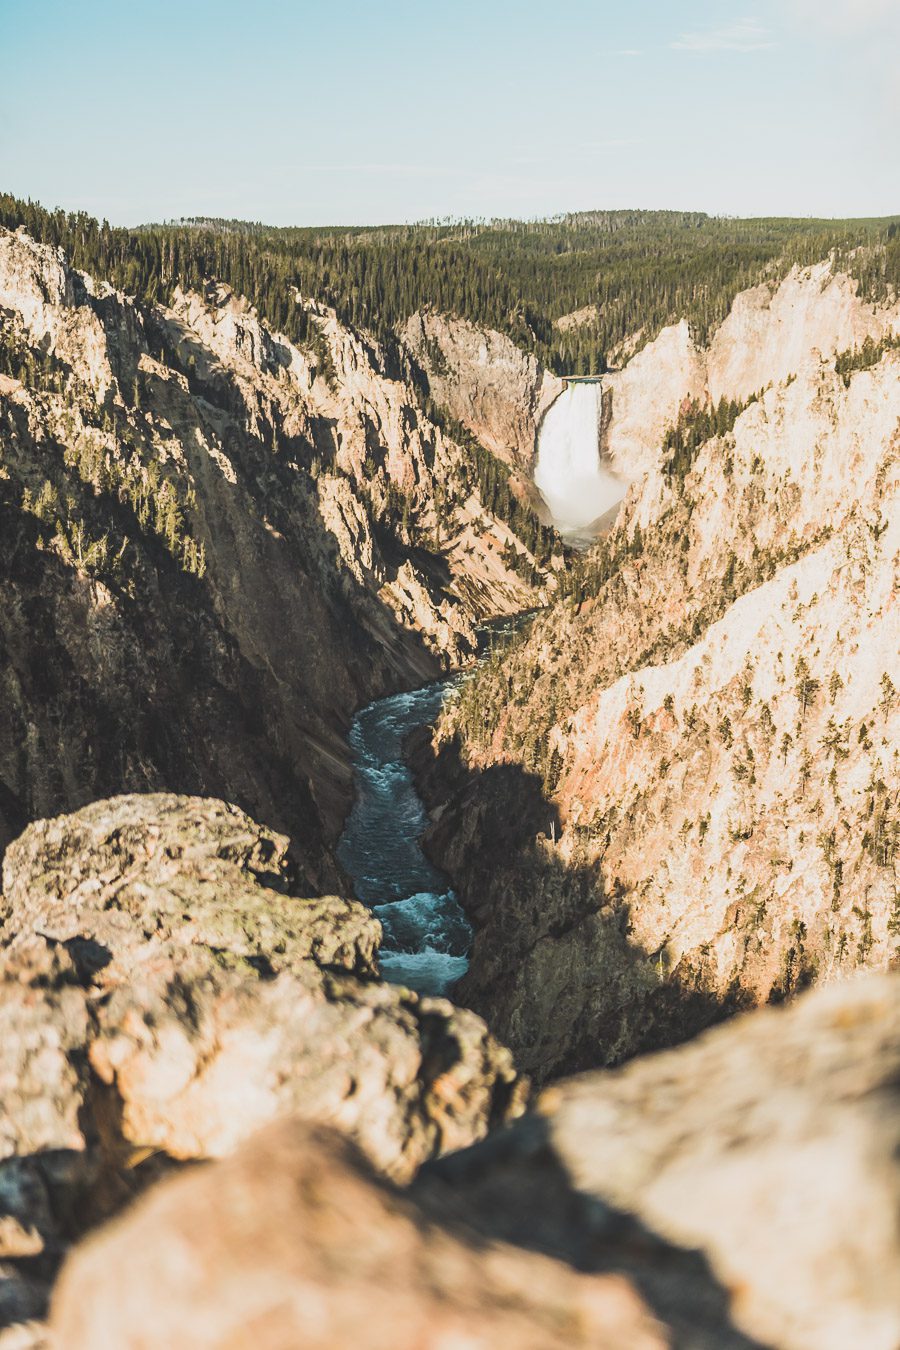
[(163, 994)]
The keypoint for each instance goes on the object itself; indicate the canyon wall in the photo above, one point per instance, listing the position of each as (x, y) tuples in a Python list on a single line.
[(771, 333), (675, 795), (502, 394), (485, 381), (678, 795), (216, 546)]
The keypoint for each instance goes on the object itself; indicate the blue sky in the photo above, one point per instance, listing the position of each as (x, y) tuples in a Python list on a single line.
[(294, 112)]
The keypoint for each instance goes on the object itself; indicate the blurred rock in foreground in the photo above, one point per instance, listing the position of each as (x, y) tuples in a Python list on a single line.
[(771, 1144), (291, 1243)]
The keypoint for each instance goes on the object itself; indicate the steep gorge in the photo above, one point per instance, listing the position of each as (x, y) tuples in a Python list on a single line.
[(217, 545), (221, 543), (674, 796), (678, 796)]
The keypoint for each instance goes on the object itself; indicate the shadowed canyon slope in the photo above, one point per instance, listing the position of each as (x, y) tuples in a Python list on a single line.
[(216, 546)]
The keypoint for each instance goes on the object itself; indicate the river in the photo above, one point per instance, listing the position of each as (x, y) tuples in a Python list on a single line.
[(426, 934)]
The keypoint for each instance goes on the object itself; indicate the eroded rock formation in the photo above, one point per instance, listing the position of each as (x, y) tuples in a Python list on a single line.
[(676, 796), (291, 1243), (164, 991), (770, 1145), (485, 381), (772, 332), (740, 1192)]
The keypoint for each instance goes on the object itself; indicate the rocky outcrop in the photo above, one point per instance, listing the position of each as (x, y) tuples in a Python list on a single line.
[(736, 1193), (291, 1243), (165, 989), (215, 545), (679, 795), (773, 330), (584, 317), (485, 381), (643, 399), (771, 1145)]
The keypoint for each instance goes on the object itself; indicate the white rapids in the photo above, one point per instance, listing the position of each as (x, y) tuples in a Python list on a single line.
[(569, 473), (426, 934)]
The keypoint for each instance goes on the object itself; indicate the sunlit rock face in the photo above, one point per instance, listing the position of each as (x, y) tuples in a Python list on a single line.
[(569, 474)]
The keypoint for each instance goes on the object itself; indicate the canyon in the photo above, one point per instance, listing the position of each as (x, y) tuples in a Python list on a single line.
[(678, 796), (241, 566), (224, 548)]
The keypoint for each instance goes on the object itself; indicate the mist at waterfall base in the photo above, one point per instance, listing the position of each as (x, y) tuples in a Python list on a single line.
[(568, 473), (426, 934)]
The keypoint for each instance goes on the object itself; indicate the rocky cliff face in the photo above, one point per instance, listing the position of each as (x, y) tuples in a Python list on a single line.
[(216, 545), (642, 400), (166, 987), (737, 1193), (486, 382), (772, 332), (680, 794)]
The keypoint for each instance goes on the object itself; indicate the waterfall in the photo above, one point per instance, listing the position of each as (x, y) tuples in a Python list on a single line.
[(568, 473)]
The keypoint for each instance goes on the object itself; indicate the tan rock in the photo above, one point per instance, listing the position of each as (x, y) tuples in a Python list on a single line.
[(641, 401), (163, 995), (578, 318), (771, 1144), (290, 1243), (483, 379), (772, 332), (209, 1000)]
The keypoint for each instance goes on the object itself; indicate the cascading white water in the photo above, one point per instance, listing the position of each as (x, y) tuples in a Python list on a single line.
[(568, 473)]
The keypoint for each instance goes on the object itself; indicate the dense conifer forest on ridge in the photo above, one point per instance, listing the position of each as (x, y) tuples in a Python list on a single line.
[(640, 269)]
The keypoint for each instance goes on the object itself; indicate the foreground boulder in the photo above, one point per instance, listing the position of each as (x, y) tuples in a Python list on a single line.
[(739, 1192), (771, 1144), (291, 1243), (163, 995)]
